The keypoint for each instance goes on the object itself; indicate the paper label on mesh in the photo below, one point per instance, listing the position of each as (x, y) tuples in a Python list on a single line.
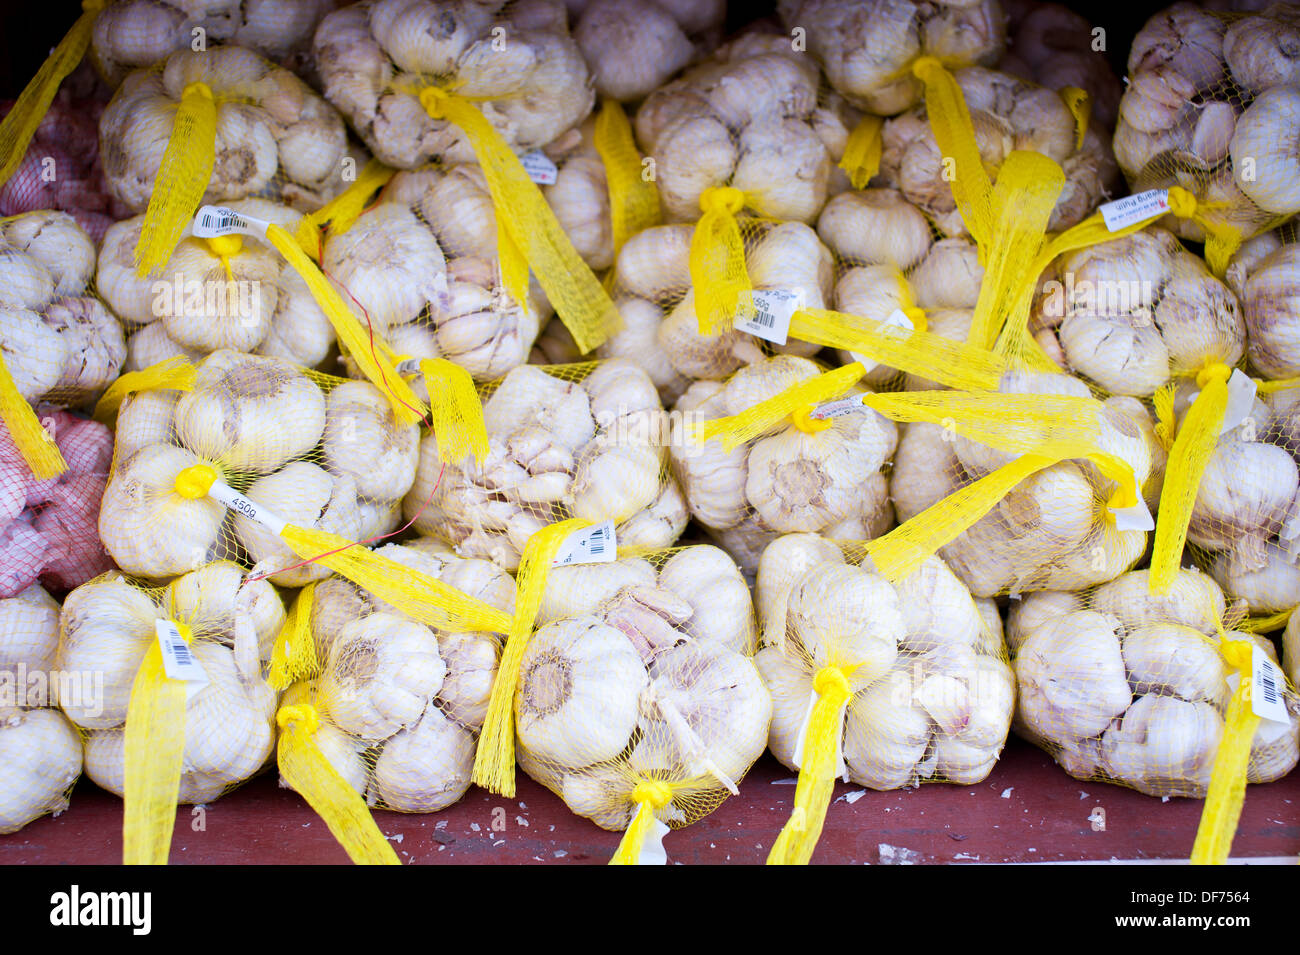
[(839, 408), (1131, 209), (1267, 684), (652, 850), (896, 319), (591, 545), (228, 496), (841, 769), (539, 167), (1135, 518), (766, 313), (1241, 400), (213, 221), (179, 662)]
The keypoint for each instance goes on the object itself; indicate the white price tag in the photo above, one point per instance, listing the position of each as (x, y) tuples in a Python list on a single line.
[(228, 496), (839, 408), (539, 167), (1266, 686), (841, 769), (766, 313), (1144, 205), (213, 221), (652, 850), (1241, 400), (178, 662), (896, 319), (591, 545), (1135, 518)]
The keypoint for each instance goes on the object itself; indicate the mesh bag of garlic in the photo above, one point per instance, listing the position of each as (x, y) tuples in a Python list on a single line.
[(1157, 692), (886, 683), (586, 441), (1209, 115), (385, 710), (40, 750), (179, 709)]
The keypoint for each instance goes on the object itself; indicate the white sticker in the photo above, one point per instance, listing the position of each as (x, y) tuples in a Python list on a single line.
[(1144, 205), (897, 319), (1241, 400), (591, 545), (766, 313), (838, 408), (178, 662), (539, 167), (228, 496), (1135, 518), (213, 221), (841, 769), (1267, 684), (652, 850)]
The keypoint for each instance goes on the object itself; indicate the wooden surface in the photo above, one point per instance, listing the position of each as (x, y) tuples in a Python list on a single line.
[(1028, 810)]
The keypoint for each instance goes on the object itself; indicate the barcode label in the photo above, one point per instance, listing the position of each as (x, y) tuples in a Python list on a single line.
[(228, 496), (766, 313), (1135, 518), (178, 662), (591, 545), (839, 408), (539, 167), (1241, 400), (213, 221), (895, 319), (1267, 683), (1144, 205)]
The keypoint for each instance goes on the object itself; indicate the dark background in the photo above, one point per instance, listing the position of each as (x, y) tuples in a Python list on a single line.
[(30, 28)]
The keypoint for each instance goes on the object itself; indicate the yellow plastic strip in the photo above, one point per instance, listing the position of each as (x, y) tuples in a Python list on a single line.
[(1222, 238), (1268, 624), (293, 657), (1079, 103), (578, 298), (812, 795), (33, 103), (750, 423), (649, 795), (633, 198), (338, 215), (182, 179), (155, 747), (305, 768), (170, 374), (1192, 450), (1227, 792), (357, 341), (456, 411), (861, 159), (513, 264), (717, 259), (494, 762), (30, 438)]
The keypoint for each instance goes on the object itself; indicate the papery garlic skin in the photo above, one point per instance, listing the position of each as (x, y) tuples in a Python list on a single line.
[(40, 759)]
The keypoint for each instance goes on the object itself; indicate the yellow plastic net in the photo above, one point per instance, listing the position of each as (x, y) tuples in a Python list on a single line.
[(884, 683), (40, 750), (1207, 94), (174, 708)]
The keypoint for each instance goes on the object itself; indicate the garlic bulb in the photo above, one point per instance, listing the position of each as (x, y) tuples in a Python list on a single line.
[(422, 266), (1270, 303), (549, 456), (29, 630), (867, 48), (40, 759), (634, 48), (213, 598), (521, 66), (275, 137), (424, 767), (363, 441), (579, 197), (1054, 45)]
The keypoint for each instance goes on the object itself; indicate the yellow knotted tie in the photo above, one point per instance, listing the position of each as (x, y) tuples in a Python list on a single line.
[(650, 795)]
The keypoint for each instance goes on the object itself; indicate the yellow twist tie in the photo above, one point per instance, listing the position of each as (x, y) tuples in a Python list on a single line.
[(802, 419), (432, 98), (1215, 371), (304, 718), (657, 794), (197, 88), (1181, 202), (223, 247), (722, 200), (924, 66), (917, 317), (1237, 653), (195, 481), (830, 678)]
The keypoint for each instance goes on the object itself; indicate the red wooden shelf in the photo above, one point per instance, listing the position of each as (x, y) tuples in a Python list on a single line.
[(1028, 810)]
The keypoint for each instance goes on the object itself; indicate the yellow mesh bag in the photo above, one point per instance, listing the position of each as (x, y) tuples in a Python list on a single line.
[(212, 126), (637, 701), (588, 441), (398, 704), (40, 750), (1153, 692), (181, 710), (1208, 96), (887, 684)]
